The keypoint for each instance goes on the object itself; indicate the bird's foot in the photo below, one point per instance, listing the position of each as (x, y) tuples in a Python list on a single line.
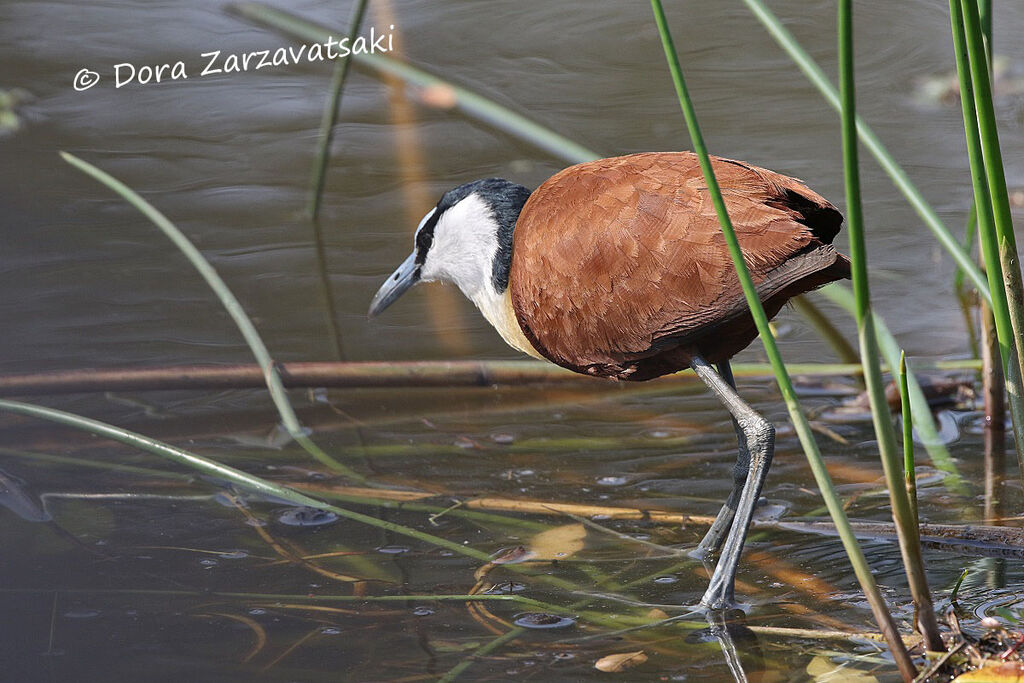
[(718, 600)]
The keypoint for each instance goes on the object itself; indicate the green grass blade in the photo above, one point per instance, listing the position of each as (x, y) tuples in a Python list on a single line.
[(972, 65), (970, 230), (803, 429), (902, 512), (909, 474), (923, 421), (231, 305), (899, 177), (330, 116), (224, 473)]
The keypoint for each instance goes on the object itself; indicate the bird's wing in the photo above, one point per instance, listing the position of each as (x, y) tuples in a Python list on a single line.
[(614, 257)]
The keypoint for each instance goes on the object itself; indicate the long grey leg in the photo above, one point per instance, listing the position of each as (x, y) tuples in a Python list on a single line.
[(716, 534), (760, 439)]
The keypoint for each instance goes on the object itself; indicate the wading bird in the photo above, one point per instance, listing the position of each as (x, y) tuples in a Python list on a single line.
[(618, 268)]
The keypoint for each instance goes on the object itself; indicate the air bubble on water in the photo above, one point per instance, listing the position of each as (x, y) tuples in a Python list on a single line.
[(81, 613), (233, 555), (392, 549)]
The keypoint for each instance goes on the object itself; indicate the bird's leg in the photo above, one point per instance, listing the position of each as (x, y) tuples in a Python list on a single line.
[(716, 534), (760, 439)]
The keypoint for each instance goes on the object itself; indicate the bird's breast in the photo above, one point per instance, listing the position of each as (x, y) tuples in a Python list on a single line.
[(497, 309)]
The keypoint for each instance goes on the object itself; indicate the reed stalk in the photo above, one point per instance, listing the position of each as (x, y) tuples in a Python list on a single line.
[(800, 423), (330, 116), (899, 177), (902, 512), (231, 304), (223, 473), (992, 376), (922, 414), (829, 332), (909, 471), (970, 231), (995, 227), (390, 374), (228, 475)]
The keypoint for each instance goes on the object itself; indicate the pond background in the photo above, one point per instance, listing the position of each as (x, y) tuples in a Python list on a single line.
[(88, 282)]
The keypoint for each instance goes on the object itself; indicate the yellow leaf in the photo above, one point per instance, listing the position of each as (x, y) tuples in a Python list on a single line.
[(558, 543), (620, 662), (823, 670), (1006, 672)]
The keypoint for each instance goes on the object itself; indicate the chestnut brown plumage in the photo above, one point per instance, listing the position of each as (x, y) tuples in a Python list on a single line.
[(618, 268)]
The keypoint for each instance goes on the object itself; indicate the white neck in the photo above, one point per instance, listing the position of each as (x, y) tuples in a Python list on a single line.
[(463, 252)]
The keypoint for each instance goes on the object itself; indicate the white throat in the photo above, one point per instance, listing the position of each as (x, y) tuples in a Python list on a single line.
[(463, 252)]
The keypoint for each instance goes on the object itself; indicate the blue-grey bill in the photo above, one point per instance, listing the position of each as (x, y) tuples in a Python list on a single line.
[(402, 279)]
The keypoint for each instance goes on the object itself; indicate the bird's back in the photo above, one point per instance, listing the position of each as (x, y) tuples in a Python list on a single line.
[(620, 269)]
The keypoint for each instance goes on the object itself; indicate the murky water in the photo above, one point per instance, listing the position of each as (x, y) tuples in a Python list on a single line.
[(140, 574)]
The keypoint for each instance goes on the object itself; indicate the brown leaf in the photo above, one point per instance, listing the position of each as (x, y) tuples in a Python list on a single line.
[(558, 543), (620, 661), (512, 555)]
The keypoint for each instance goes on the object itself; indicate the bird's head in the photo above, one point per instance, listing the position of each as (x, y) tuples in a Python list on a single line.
[(466, 240)]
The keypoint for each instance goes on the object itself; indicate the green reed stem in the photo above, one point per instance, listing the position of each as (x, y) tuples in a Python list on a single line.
[(270, 373), (800, 424), (922, 414), (902, 513), (330, 117), (899, 177), (92, 464), (482, 651), (983, 153), (249, 482), (955, 593), (909, 473), (224, 473), (970, 230), (828, 331)]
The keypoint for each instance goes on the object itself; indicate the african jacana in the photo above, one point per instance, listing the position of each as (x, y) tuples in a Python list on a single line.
[(618, 268)]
